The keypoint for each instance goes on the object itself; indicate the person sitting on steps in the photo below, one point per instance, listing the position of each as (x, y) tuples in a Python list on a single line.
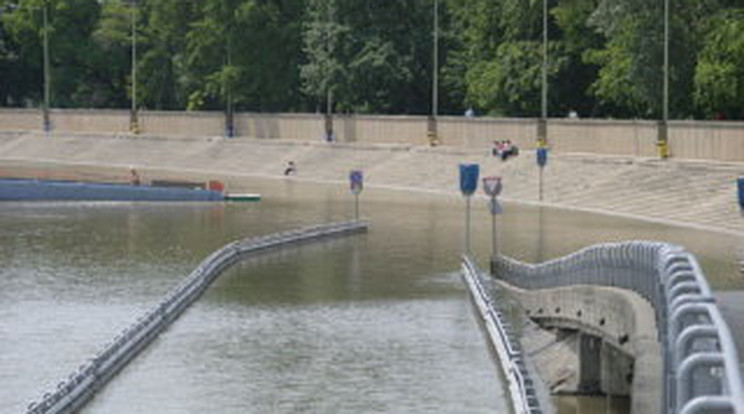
[(504, 149), (291, 169)]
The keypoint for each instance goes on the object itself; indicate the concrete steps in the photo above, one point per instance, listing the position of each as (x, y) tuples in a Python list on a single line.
[(683, 191)]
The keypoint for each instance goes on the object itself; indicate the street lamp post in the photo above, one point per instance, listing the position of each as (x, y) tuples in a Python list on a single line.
[(133, 121), (432, 124), (329, 135), (435, 72), (542, 127), (663, 142), (47, 76)]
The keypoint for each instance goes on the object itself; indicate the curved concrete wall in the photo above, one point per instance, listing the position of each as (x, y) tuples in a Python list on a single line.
[(622, 319)]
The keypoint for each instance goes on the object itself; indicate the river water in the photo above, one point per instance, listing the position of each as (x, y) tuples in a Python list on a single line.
[(379, 322)]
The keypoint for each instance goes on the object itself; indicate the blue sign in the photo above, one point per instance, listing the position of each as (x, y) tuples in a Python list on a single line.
[(468, 178), (740, 181), (356, 180), (542, 156)]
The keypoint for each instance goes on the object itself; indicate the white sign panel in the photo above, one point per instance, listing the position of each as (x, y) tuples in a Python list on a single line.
[(492, 186)]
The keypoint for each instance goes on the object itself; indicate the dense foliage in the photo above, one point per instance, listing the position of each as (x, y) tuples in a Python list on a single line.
[(374, 56)]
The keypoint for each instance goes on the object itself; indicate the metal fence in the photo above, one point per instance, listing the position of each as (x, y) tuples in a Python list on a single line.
[(701, 366), (521, 386), (73, 392)]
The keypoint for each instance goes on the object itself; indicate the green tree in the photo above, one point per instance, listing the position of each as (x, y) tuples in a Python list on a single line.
[(719, 76), (164, 81), (473, 34), (246, 51), (504, 58), (109, 83), (630, 78), (321, 73), (570, 89), (22, 57), (71, 24), (380, 60), (16, 75)]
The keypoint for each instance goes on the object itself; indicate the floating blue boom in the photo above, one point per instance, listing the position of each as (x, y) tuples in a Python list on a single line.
[(25, 189)]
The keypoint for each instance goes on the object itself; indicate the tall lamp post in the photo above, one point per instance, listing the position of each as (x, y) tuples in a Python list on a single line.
[(435, 70), (432, 125), (133, 121), (47, 75), (330, 16), (662, 141), (542, 126)]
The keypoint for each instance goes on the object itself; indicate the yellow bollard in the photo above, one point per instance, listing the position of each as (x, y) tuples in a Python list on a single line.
[(663, 148), (134, 127), (433, 140)]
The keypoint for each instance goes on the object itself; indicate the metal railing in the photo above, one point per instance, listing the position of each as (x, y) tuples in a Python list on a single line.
[(72, 393), (701, 366), (521, 387)]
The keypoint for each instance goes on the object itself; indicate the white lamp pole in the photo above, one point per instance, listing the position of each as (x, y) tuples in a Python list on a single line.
[(47, 74), (133, 121), (435, 71), (663, 132), (542, 132)]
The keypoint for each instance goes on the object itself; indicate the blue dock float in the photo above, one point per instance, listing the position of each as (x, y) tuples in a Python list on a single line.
[(32, 190)]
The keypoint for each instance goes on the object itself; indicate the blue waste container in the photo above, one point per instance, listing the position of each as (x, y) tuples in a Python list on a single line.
[(740, 181), (468, 178), (542, 156)]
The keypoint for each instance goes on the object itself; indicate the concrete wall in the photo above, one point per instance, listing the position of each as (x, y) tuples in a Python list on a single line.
[(302, 127), (208, 124), (481, 132), (717, 141), (87, 121), (622, 319), (630, 138), (376, 129), (20, 119), (722, 141)]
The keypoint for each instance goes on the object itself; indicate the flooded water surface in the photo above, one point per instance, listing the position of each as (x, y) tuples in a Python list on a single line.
[(379, 322)]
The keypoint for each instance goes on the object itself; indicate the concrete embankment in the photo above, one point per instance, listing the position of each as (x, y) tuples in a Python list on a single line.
[(687, 193)]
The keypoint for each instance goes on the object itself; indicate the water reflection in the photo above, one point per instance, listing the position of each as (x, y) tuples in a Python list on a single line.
[(591, 405)]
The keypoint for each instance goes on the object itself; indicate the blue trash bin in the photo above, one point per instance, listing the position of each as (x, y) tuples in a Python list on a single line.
[(740, 182), (468, 178), (542, 157)]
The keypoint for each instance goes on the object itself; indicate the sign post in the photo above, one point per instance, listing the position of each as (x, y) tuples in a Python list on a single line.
[(542, 161), (492, 187), (468, 185), (356, 183)]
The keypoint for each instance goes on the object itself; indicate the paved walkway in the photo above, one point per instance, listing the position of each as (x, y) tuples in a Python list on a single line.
[(687, 193)]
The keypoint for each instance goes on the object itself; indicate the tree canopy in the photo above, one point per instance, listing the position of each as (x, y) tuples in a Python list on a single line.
[(605, 57)]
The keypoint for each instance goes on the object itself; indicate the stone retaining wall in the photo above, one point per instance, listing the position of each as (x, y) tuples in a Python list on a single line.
[(703, 140)]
